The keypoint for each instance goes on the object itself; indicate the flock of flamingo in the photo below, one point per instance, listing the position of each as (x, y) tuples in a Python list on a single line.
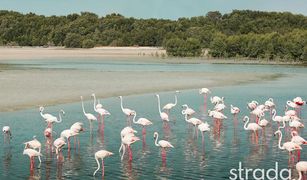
[(290, 122)]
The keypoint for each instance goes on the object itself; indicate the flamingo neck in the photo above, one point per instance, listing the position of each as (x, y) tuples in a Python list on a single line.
[(175, 99), (133, 120), (60, 117), (98, 164), (274, 115), (246, 122), (83, 106), (95, 102), (41, 112), (159, 106), (121, 103), (279, 141), (156, 141)]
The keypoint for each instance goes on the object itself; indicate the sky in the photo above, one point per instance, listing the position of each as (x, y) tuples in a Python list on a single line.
[(166, 9)]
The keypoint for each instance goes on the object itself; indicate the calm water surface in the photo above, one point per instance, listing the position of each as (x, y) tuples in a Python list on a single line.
[(188, 160)]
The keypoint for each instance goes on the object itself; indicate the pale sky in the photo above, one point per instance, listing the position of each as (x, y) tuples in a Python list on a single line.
[(167, 9)]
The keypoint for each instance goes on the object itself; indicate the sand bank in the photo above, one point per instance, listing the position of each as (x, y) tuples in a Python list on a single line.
[(21, 89)]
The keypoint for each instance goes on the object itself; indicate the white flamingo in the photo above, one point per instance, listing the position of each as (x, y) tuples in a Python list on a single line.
[(163, 115), (169, 106), (90, 117), (101, 155)]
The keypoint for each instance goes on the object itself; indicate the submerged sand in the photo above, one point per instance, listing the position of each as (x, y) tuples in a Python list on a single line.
[(30, 88)]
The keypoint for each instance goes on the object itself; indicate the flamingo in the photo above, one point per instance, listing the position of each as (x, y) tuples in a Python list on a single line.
[(205, 92), (77, 128), (292, 104), (33, 144), (54, 119), (251, 126), (216, 115), (127, 140), (299, 101), (67, 133), (99, 109), (48, 137), (124, 132), (45, 116), (219, 107), (101, 155), (163, 115), (252, 105), (296, 124), (163, 145), (258, 112), (98, 105), (59, 143), (32, 153), (89, 117), (275, 118), (169, 106), (301, 167), (234, 110), (263, 123), (270, 103), (143, 122), (289, 146), (126, 111), (187, 110), (298, 140), (7, 134), (216, 100), (193, 121), (203, 127)]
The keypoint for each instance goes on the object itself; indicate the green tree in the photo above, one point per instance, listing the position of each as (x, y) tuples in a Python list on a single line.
[(73, 40)]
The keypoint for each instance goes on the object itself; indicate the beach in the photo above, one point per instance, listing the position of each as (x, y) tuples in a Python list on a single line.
[(23, 88)]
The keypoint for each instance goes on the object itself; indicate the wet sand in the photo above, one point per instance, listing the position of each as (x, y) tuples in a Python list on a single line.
[(23, 88)]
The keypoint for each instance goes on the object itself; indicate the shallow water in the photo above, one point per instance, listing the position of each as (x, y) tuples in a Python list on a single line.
[(188, 160)]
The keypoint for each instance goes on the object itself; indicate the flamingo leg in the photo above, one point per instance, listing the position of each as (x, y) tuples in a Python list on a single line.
[(102, 164), (130, 153), (298, 155)]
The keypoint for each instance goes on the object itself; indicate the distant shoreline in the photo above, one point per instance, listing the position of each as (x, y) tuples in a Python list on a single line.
[(148, 54)]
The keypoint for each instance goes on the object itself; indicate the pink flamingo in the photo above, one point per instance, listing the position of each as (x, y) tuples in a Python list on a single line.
[(99, 109), (67, 133), (32, 153), (289, 146), (59, 143), (127, 140), (277, 119), (33, 144), (234, 110), (217, 100), (143, 122), (194, 121), (251, 126), (7, 134), (76, 129), (48, 137), (301, 167), (101, 155), (252, 105), (204, 92), (189, 111), (298, 140), (126, 111), (163, 115), (203, 127), (169, 106), (89, 117), (163, 144)]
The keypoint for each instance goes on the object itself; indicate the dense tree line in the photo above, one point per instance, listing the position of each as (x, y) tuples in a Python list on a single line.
[(252, 34)]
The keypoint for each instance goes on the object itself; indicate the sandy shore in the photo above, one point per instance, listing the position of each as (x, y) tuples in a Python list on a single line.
[(148, 54), (21, 89), (30, 88)]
